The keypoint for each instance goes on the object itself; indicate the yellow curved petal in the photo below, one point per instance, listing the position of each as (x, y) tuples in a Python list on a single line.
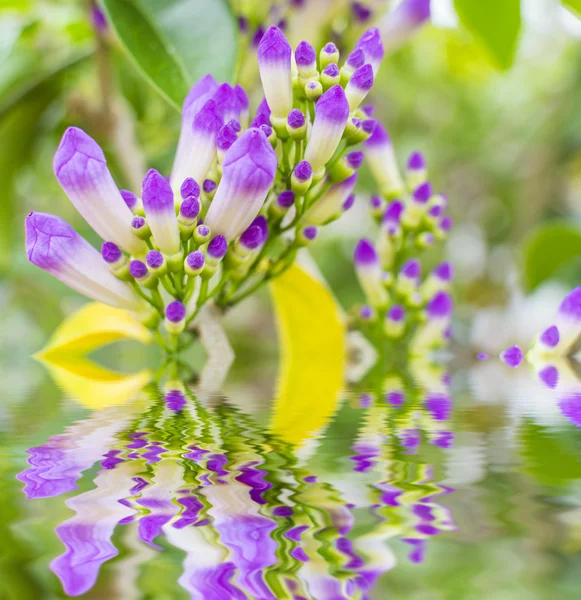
[(91, 385), (312, 342), (92, 326)]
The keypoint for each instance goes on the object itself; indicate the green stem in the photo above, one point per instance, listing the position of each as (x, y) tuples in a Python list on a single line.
[(145, 296)]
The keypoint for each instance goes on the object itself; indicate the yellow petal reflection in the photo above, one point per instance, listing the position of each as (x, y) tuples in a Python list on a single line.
[(93, 386), (93, 326), (312, 345)]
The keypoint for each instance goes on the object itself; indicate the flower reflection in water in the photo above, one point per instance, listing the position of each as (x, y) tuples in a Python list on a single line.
[(250, 516)]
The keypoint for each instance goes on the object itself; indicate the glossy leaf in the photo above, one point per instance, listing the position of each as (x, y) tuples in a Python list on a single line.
[(175, 42), (496, 24), (91, 327), (312, 346), (549, 249), (574, 5)]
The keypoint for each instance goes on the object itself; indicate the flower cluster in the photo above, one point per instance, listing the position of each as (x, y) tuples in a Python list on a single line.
[(242, 197), (401, 304)]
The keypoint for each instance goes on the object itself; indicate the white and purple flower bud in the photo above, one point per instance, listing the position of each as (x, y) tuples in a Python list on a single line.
[(382, 162), (398, 26), (376, 206), (330, 76), (417, 208), (243, 105), (250, 240), (225, 139), (189, 189), (408, 279), (346, 167), (354, 61), (369, 273), (139, 271), (216, 250), (435, 332), (329, 54), (417, 172), (367, 313), (391, 219), (247, 174), (512, 357), (274, 63), (306, 59), (307, 235), (439, 280), (113, 256), (283, 202), (175, 317), (81, 169), (296, 125), (195, 157), (331, 115), (330, 205), (54, 246), (209, 186), (194, 263), (159, 207), (156, 263), (140, 228), (359, 85), (187, 217), (353, 130), (226, 103), (313, 90), (262, 115), (202, 234), (394, 325), (372, 46), (302, 178), (132, 201)]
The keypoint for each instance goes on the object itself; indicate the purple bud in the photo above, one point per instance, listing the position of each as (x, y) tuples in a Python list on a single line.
[(366, 312), (138, 222), (423, 193), (375, 202), (416, 161), (571, 305), (305, 55), (332, 106), (154, 259), (266, 129), (355, 159), (444, 271), (396, 313), (368, 109), (411, 269), (365, 253), (235, 125), (349, 202), (550, 337), (209, 186), (310, 232), (110, 252), (175, 312), (363, 78), (195, 260), (303, 171), (356, 59), (393, 212), (439, 306), (242, 24), (330, 49), (175, 400), (190, 208), (482, 356), (190, 188), (274, 62), (446, 224), (257, 37), (138, 269), (369, 126), (549, 376), (226, 104), (203, 231), (130, 199), (274, 47), (361, 12), (262, 114), (380, 136), (372, 46), (296, 119), (217, 247), (395, 397), (226, 137), (331, 70), (512, 357), (252, 237), (241, 99), (403, 22), (286, 199), (261, 222), (435, 211), (157, 193)]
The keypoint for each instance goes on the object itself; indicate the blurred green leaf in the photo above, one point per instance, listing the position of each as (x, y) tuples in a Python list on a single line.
[(496, 24), (548, 249), (175, 42), (574, 5)]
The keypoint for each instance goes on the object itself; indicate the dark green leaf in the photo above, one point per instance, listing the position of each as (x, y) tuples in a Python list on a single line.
[(548, 250), (574, 5), (175, 42), (496, 24)]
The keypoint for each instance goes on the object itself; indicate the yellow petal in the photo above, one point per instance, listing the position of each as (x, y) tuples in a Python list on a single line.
[(91, 385), (92, 326), (312, 345)]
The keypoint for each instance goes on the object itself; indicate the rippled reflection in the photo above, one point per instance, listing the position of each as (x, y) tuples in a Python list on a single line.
[(252, 518)]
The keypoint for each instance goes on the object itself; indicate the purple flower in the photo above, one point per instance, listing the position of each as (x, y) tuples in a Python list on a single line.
[(217, 248), (81, 169), (549, 376), (190, 189), (306, 59), (111, 253), (154, 259), (331, 115), (175, 315), (54, 246), (422, 193), (359, 85), (247, 173), (512, 357), (252, 238), (296, 119), (401, 24), (194, 263), (330, 204), (274, 63), (372, 46), (158, 202), (303, 171), (328, 54)]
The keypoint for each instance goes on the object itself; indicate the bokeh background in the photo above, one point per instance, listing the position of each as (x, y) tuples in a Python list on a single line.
[(494, 102)]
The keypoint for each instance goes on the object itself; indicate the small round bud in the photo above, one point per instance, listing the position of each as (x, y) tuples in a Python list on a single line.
[(190, 188), (296, 125), (112, 254), (314, 90), (156, 263), (329, 54), (217, 249), (175, 317), (194, 263), (201, 234), (307, 235), (131, 200), (330, 76), (302, 178), (209, 186), (141, 228)]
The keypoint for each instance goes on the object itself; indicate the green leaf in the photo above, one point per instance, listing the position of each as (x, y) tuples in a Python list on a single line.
[(574, 5), (548, 250), (495, 24), (175, 42)]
